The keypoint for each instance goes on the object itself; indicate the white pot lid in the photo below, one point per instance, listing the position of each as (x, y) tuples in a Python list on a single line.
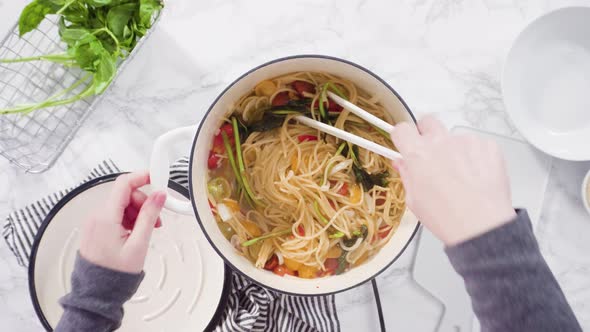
[(186, 283)]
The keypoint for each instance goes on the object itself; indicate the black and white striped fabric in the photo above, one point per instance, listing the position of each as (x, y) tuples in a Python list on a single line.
[(250, 307), (22, 225)]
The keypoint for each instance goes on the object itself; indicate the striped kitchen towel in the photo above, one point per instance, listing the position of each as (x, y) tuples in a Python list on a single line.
[(21, 226), (250, 307)]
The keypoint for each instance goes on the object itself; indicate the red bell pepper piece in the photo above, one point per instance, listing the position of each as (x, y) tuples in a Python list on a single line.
[(302, 86), (303, 138), (272, 263), (281, 99), (214, 160)]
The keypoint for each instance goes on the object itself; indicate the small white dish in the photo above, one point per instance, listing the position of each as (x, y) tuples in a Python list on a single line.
[(546, 81), (586, 191)]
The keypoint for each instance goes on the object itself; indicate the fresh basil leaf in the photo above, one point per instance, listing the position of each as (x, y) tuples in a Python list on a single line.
[(54, 4), (105, 72), (88, 53), (76, 36), (98, 3), (147, 9), (268, 122), (129, 39), (362, 233), (76, 13), (32, 15), (118, 17), (61, 25), (341, 263)]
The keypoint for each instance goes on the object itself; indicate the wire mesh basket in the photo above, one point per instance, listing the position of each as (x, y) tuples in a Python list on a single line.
[(34, 141)]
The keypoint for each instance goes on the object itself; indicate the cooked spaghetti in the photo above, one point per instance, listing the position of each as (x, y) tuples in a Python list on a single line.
[(294, 200)]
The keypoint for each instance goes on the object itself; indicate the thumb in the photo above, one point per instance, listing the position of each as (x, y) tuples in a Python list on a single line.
[(146, 219)]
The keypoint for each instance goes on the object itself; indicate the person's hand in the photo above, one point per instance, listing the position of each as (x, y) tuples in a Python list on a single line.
[(456, 185), (118, 232)]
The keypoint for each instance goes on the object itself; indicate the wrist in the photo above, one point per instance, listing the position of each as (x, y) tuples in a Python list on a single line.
[(477, 223), (100, 282)]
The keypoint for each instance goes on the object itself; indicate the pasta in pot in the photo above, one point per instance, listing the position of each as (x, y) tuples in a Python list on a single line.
[(292, 199)]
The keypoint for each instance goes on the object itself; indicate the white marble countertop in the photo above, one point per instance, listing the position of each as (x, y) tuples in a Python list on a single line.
[(442, 56)]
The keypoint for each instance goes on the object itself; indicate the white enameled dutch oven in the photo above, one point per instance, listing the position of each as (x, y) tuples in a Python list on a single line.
[(202, 141)]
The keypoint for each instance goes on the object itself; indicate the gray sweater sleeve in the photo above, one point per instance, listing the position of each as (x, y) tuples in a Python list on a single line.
[(97, 297), (509, 282)]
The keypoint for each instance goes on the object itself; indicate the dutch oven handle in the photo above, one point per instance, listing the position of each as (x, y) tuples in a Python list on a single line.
[(160, 166)]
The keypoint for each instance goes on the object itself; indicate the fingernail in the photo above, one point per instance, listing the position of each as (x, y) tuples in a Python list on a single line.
[(159, 198)]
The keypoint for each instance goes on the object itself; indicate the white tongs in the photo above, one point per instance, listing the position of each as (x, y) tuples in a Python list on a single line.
[(362, 142)]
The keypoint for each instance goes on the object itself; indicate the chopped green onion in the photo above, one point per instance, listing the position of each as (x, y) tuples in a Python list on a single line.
[(285, 112), (336, 90), (381, 131), (316, 207), (236, 131), (336, 235), (321, 100), (241, 167), (264, 237), (230, 156), (340, 148)]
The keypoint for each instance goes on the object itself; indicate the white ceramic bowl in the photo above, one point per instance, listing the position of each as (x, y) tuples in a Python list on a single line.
[(585, 191), (198, 173), (546, 83)]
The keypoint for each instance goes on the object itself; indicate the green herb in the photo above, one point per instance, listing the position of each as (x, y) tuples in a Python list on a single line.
[(233, 165), (336, 235), (340, 148), (381, 131), (316, 207), (268, 122), (362, 233), (285, 112), (368, 181), (98, 33), (33, 14), (341, 263), (301, 106), (264, 237), (241, 166), (322, 98), (335, 89)]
